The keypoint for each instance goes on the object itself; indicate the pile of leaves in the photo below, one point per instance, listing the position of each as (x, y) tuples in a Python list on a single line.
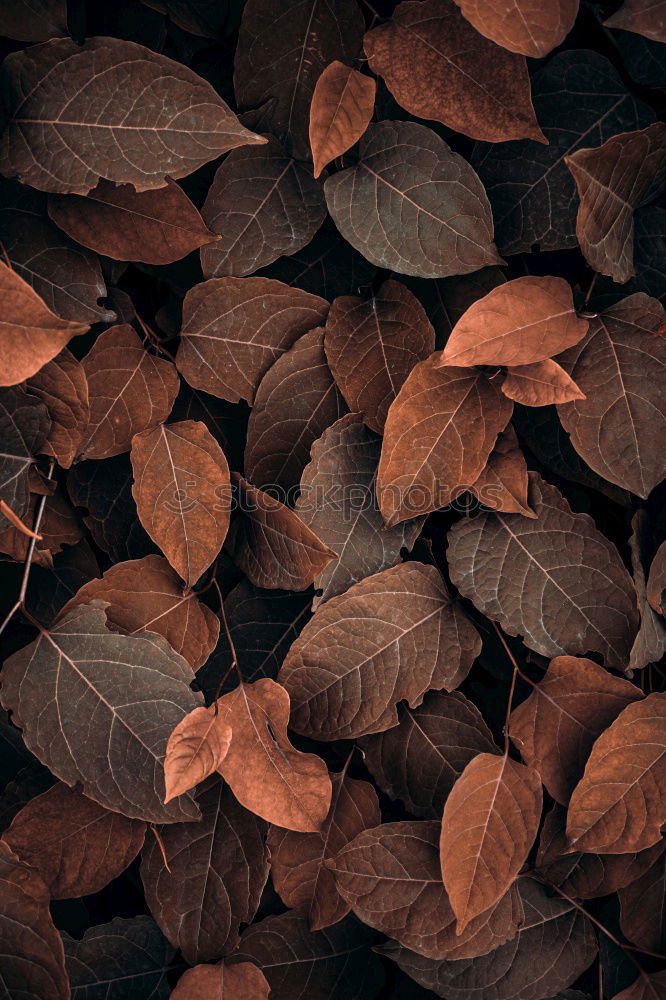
[(332, 448)]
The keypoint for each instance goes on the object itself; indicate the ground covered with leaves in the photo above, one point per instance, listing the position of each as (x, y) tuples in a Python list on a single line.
[(332, 448)]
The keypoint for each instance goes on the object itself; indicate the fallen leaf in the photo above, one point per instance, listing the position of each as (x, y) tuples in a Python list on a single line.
[(266, 773), (372, 345), (296, 401), (438, 67), (643, 16), (183, 494), (389, 638), (196, 748), (553, 579), (618, 805), (643, 908), (63, 135), (342, 104), (540, 384), (337, 502), (33, 20), (412, 205), (439, 433), (33, 964), (621, 368), (63, 388), (213, 878), (234, 329), (76, 846), (262, 204), (130, 391), (282, 50), (517, 323), (157, 226), (300, 862), (130, 692), (503, 484), (612, 180), (525, 26), (419, 760), (24, 428), (490, 821), (555, 728), (243, 981)]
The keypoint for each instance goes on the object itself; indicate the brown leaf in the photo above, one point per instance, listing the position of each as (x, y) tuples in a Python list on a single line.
[(30, 334), (196, 748), (620, 366), (63, 388), (517, 323), (393, 636), (619, 804), (266, 773), (283, 47), (234, 329), (124, 956), (263, 204), (419, 760), (643, 908), (650, 642), (526, 26), (59, 526), (612, 180), (553, 579), (64, 135), (76, 846), (439, 433), (412, 205), (24, 428), (157, 226), (554, 729), (183, 494), (646, 987), (243, 981), (33, 962), (645, 17), (213, 878), (296, 401), (554, 945), (30, 21), (372, 345), (503, 484), (540, 384), (342, 104), (490, 820), (337, 501), (438, 67), (271, 544), (130, 692), (300, 870), (146, 595), (130, 391), (656, 584)]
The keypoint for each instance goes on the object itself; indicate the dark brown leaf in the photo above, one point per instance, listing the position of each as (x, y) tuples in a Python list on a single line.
[(243, 981), (643, 908), (263, 204), (438, 67), (33, 20), (526, 26), (372, 345), (656, 584), (646, 987), (76, 846), (540, 384), (412, 205), (64, 135), (63, 388), (393, 636), (650, 642), (342, 104), (646, 17), (553, 579), (503, 484), (156, 226), (217, 869), (24, 428)]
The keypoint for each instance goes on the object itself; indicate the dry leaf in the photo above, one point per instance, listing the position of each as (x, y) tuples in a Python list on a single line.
[(243, 981), (63, 388), (646, 987), (526, 26), (656, 583), (643, 907), (195, 749), (540, 384), (24, 428), (503, 484), (342, 104), (33, 20), (643, 16)]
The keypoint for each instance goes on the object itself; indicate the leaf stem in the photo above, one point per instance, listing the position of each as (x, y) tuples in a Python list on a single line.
[(223, 617)]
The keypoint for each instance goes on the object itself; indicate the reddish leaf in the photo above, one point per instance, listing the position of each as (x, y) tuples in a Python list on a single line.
[(372, 345), (540, 384), (518, 323), (643, 908), (437, 66), (439, 433), (267, 775), (555, 728), (157, 226), (618, 806), (525, 26), (300, 862), (503, 484), (390, 637), (130, 391), (183, 494), (222, 982), (490, 820), (63, 388), (234, 329), (646, 17), (412, 205), (196, 748), (553, 579), (76, 846), (64, 135), (342, 104)]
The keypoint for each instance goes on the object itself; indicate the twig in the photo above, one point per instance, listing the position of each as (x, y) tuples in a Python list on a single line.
[(160, 844), (588, 294), (222, 615), (517, 672)]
